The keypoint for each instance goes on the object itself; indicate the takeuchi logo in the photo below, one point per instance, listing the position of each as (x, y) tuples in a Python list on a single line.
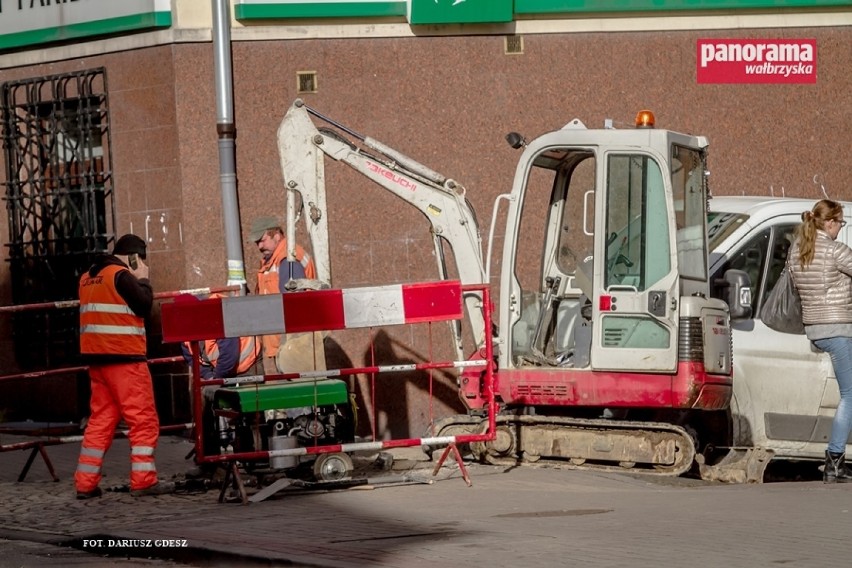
[(757, 52)]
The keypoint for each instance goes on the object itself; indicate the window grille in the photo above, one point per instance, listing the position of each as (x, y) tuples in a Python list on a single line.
[(514, 45), (59, 199), (306, 81)]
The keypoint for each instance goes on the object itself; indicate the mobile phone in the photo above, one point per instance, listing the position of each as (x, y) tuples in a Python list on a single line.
[(133, 260)]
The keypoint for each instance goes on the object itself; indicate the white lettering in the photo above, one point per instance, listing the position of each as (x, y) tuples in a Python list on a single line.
[(756, 52), (779, 69), (171, 543), (706, 54), (130, 543)]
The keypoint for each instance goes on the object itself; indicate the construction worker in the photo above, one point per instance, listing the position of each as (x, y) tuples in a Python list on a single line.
[(227, 357), (274, 273), (115, 299), (220, 359)]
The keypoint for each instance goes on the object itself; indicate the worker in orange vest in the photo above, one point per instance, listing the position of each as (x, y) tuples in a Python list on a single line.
[(227, 357), (274, 273), (115, 298)]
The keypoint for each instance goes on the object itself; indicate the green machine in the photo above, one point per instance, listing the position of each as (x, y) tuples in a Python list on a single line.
[(284, 415)]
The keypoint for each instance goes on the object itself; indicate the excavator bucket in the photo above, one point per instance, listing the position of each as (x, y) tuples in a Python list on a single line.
[(738, 465)]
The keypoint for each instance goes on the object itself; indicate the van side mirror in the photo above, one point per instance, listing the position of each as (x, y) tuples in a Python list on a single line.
[(735, 286)]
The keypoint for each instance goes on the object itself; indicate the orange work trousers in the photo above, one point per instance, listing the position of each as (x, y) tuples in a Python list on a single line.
[(122, 390)]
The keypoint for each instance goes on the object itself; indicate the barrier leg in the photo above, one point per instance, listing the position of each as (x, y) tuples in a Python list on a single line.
[(38, 448), (452, 448), (232, 477)]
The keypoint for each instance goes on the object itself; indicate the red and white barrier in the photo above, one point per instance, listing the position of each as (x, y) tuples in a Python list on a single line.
[(191, 319)]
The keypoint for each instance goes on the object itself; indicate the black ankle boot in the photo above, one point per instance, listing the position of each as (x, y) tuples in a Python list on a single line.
[(835, 469)]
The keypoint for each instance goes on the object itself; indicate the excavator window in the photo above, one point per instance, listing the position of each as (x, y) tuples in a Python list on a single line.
[(636, 224), (690, 208), (577, 223)]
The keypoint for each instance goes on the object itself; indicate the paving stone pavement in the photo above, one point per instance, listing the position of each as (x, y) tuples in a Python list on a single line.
[(531, 516)]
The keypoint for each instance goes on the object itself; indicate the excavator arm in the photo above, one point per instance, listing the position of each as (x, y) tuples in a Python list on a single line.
[(303, 146)]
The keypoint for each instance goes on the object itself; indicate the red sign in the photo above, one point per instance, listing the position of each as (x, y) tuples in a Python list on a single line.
[(756, 61)]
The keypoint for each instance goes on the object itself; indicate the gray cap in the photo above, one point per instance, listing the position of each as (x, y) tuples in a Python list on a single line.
[(260, 225)]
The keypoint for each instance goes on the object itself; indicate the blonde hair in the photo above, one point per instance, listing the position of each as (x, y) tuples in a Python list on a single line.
[(813, 220)]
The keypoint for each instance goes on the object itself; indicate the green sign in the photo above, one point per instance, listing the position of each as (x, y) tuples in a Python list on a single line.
[(598, 6), (459, 11), (488, 11), (27, 22)]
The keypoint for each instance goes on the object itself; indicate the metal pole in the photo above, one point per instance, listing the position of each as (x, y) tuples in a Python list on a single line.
[(227, 133)]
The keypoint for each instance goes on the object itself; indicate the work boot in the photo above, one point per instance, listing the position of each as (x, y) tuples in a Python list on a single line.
[(835, 468), (96, 492), (159, 488)]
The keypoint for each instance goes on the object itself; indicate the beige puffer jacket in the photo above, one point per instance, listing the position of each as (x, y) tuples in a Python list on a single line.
[(825, 285)]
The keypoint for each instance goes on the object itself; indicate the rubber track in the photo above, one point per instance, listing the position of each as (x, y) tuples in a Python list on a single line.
[(475, 424)]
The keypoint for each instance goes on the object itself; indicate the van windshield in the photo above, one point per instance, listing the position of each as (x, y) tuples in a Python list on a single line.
[(720, 225)]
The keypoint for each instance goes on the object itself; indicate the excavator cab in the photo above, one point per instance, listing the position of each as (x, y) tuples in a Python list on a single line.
[(614, 345), (605, 237)]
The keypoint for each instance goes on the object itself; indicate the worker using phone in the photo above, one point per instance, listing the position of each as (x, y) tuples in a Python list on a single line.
[(115, 299)]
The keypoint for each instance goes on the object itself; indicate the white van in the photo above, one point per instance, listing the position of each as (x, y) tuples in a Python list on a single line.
[(785, 392)]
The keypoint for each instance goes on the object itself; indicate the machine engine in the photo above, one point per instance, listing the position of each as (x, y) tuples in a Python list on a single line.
[(284, 415)]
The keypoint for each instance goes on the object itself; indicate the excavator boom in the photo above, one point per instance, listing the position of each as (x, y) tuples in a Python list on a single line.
[(303, 148)]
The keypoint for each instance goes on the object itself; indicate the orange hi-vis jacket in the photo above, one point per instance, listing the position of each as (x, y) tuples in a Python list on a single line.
[(268, 283), (107, 324), (249, 352)]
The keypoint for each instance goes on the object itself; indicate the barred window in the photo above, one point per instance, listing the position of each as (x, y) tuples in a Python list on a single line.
[(59, 198)]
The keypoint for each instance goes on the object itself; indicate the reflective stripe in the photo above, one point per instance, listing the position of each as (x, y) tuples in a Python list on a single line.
[(88, 468), (144, 466), (210, 352), (141, 451), (249, 352), (106, 309), (92, 452), (113, 329)]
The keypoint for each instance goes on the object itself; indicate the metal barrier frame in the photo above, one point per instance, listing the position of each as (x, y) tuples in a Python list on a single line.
[(193, 320)]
